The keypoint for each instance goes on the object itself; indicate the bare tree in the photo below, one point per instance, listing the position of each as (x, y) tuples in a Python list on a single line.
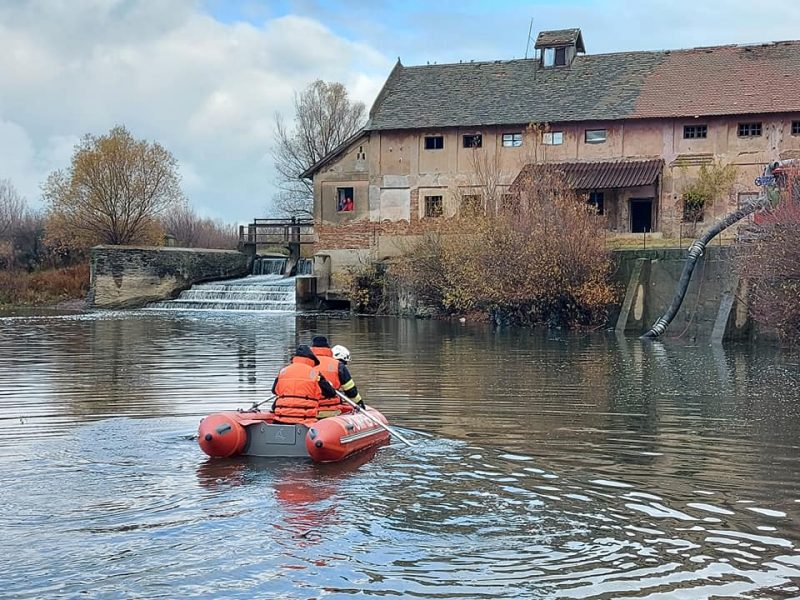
[(12, 208), (324, 118), (191, 231), (113, 191)]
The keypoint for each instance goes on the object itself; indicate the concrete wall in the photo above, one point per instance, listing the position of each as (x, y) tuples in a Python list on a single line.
[(712, 309), (130, 277)]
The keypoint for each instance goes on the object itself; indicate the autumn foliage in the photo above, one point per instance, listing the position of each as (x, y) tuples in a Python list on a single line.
[(769, 261), (535, 257)]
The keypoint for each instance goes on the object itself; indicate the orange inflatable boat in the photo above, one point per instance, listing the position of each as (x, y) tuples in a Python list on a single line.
[(254, 433)]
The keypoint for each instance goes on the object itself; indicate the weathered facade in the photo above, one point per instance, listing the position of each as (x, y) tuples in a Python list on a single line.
[(629, 131)]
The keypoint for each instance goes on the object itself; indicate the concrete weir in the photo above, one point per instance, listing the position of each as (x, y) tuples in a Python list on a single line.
[(130, 277), (712, 311)]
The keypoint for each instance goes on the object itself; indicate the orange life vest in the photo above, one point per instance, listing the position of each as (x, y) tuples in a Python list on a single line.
[(297, 391), (329, 369)]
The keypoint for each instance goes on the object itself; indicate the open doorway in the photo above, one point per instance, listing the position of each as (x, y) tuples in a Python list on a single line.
[(641, 215)]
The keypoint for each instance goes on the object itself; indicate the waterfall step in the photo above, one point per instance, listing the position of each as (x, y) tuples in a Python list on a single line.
[(252, 293)]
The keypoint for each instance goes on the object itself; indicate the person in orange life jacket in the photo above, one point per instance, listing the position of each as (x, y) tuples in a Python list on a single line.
[(300, 388), (335, 370)]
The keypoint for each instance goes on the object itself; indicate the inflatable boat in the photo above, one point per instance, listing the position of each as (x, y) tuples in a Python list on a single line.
[(255, 433)]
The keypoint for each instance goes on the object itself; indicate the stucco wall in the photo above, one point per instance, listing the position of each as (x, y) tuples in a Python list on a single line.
[(130, 277)]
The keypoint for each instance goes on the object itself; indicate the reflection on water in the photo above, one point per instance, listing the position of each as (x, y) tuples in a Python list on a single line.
[(546, 465)]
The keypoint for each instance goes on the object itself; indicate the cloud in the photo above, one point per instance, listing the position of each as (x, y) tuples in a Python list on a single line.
[(206, 90)]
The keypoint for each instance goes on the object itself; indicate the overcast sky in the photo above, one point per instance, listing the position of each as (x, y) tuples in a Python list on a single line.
[(206, 77)]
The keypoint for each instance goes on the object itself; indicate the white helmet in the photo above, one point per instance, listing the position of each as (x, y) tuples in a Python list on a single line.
[(341, 353)]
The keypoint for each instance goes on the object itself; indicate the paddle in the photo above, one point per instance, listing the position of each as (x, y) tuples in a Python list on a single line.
[(373, 419), (257, 404)]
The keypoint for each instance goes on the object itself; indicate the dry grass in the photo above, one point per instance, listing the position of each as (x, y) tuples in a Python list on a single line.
[(44, 287)]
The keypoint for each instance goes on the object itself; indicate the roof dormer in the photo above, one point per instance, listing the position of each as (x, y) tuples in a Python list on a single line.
[(558, 48)]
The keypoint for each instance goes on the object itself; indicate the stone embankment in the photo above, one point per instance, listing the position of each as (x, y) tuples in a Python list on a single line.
[(130, 277)]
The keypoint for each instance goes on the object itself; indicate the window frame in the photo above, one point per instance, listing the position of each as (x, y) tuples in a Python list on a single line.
[(597, 199), (750, 129), (512, 137), (432, 145), (552, 137), (475, 137), (695, 131), (342, 191), (433, 201), (586, 133)]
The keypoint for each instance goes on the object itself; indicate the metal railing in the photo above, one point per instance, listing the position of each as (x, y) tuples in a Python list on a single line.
[(277, 232)]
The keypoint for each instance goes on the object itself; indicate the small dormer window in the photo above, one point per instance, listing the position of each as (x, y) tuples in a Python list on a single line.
[(558, 48)]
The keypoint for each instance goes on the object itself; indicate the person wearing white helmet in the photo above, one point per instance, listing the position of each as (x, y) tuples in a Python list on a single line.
[(334, 367), (349, 388)]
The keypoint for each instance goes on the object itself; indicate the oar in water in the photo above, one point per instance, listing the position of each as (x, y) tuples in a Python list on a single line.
[(377, 422)]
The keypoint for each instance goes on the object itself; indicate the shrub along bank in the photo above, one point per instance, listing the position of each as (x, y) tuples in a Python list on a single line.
[(45, 287), (539, 260)]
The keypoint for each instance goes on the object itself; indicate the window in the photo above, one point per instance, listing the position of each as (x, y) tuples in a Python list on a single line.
[(433, 207), (595, 136), (693, 208), (692, 132), (434, 142), (509, 204), (473, 140), (749, 130), (344, 199), (549, 57), (795, 127), (512, 140), (471, 205), (596, 200), (561, 57), (553, 138)]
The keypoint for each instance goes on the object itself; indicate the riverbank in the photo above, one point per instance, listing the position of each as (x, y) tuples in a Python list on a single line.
[(64, 288)]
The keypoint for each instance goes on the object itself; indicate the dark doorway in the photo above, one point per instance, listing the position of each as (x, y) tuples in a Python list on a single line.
[(641, 215)]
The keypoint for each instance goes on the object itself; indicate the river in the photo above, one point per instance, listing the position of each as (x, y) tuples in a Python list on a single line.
[(545, 464)]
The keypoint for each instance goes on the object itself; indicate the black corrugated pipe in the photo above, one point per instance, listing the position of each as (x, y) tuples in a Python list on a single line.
[(696, 251)]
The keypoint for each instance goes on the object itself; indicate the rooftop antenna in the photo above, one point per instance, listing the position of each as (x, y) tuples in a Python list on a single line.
[(528, 43)]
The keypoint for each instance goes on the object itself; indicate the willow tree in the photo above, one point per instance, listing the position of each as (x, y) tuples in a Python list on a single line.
[(324, 118), (113, 192)]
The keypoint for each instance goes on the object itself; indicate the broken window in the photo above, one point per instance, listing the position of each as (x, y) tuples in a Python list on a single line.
[(749, 130), (553, 138), (691, 132), (344, 199), (433, 207), (596, 200), (512, 140), (795, 127), (474, 140), (595, 136), (434, 142)]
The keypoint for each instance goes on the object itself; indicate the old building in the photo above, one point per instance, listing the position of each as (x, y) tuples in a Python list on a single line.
[(629, 130)]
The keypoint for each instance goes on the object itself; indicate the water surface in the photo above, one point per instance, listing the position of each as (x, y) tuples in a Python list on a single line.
[(547, 465)]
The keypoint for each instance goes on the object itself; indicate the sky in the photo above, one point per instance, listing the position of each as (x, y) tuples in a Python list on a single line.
[(205, 78)]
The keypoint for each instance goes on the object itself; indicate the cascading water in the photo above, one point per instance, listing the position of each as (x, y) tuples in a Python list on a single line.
[(265, 290)]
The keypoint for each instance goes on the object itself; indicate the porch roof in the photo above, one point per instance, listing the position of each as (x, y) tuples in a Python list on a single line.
[(598, 175)]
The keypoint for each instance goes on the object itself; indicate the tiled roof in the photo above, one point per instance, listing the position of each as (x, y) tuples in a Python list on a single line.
[(679, 83), (560, 37), (597, 175)]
